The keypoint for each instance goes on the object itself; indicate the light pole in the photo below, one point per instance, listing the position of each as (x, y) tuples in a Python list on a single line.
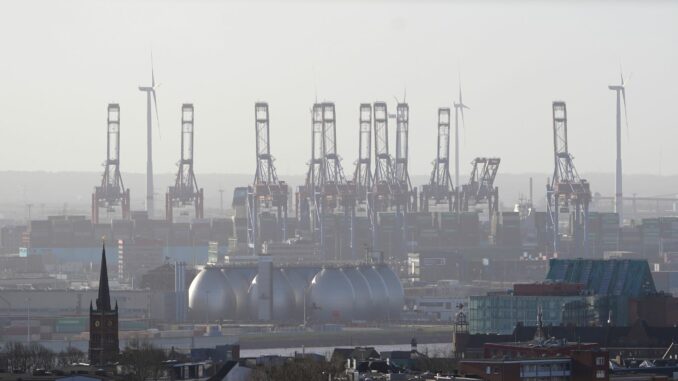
[(28, 321)]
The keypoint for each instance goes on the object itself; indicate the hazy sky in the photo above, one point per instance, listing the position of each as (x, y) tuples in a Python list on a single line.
[(62, 62)]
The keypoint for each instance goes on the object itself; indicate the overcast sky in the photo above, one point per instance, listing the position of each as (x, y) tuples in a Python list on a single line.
[(62, 62)]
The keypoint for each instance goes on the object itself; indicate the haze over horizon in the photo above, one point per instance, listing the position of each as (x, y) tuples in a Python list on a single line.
[(76, 56)]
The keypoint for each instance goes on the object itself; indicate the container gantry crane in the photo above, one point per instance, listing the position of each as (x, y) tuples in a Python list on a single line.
[(380, 197), (326, 188), (185, 190), (440, 189), (566, 189), (406, 194), (480, 188), (362, 177), (267, 191), (391, 186), (111, 193)]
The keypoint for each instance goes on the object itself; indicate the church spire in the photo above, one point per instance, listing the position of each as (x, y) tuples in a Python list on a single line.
[(104, 297)]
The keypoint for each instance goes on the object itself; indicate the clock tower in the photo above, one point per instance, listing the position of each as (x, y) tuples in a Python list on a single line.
[(103, 322)]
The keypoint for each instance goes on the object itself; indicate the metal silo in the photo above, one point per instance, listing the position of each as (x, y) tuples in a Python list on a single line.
[(364, 305), (331, 297), (283, 298), (296, 276), (396, 295), (240, 284), (379, 292), (210, 296)]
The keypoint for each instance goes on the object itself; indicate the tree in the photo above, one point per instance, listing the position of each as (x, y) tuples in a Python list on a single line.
[(17, 355), (40, 357), (141, 360), (70, 355)]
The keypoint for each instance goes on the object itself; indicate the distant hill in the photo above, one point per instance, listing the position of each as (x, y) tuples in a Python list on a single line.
[(51, 192)]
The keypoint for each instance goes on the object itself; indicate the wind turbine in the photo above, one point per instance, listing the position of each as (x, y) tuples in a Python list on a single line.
[(150, 91), (458, 109), (620, 89)]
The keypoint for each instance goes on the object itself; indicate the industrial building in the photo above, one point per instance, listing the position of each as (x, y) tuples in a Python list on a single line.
[(576, 292)]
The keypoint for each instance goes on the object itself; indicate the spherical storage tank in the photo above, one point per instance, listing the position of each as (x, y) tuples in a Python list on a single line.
[(364, 306), (240, 280), (210, 296), (380, 300), (331, 297), (396, 295), (283, 298)]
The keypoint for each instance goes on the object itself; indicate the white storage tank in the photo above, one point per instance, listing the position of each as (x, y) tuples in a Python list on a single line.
[(283, 298), (379, 292), (364, 305), (331, 296), (296, 277), (210, 296), (240, 281)]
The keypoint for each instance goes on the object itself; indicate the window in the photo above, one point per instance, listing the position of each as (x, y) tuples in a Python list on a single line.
[(600, 373), (600, 361)]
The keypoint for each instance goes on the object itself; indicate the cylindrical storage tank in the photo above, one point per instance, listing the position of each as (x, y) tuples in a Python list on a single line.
[(296, 277), (377, 285), (240, 285), (331, 297), (283, 298), (364, 306), (210, 296), (396, 295)]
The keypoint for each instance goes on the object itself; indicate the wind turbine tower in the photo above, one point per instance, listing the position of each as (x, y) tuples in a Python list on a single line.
[(150, 92), (618, 197), (458, 109)]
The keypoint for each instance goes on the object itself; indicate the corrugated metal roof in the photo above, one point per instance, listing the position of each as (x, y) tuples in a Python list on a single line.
[(618, 277)]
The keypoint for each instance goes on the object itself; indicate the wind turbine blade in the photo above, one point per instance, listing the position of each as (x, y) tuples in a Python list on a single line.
[(626, 115), (621, 74), (157, 118), (152, 73)]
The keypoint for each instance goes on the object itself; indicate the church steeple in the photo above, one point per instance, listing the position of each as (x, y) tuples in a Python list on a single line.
[(103, 322), (104, 297)]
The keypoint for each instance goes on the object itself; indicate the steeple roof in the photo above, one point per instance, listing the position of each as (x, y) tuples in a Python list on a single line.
[(104, 297)]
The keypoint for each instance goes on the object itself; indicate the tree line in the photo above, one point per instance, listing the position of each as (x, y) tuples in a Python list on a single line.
[(17, 356)]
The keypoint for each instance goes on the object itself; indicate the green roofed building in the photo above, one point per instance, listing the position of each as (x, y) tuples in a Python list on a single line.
[(615, 277)]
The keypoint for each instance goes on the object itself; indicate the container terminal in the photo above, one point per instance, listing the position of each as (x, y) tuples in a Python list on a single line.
[(355, 256)]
